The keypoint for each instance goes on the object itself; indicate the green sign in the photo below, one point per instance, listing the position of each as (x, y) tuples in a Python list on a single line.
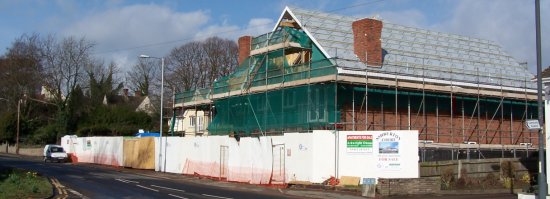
[(359, 143)]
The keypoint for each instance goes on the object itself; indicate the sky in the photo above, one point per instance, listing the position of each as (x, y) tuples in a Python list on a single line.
[(124, 29)]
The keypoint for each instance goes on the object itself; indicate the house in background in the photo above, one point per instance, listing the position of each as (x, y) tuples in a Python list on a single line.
[(191, 122), (136, 102)]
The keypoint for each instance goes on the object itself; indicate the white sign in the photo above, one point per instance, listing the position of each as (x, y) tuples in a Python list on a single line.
[(378, 154), (532, 124)]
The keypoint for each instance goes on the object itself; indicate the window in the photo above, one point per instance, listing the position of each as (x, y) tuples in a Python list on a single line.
[(289, 99), (192, 120), (318, 106), (200, 123)]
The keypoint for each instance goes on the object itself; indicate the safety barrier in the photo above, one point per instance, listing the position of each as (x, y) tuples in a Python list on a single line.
[(288, 158)]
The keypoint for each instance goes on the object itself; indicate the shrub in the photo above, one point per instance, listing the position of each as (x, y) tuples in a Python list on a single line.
[(490, 180), (44, 135), (447, 177)]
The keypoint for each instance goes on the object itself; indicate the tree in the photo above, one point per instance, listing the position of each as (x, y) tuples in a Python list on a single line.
[(143, 74), (186, 66), (221, 57), (64, 64), (20, 70), (101, 83), (198, 64)]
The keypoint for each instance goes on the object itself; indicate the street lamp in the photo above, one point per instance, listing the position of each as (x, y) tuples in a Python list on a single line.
[(161, 107)]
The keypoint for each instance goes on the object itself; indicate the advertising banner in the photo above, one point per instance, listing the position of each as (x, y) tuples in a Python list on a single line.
[(359, 144)]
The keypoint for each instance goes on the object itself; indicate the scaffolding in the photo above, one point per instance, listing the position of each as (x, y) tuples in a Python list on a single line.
[(450, 95)]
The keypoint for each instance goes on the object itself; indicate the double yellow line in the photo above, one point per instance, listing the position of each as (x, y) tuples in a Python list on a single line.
[(60, 189)]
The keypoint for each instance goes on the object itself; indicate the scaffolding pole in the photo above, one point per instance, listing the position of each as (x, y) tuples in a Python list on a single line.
[(452, 108), (425, 126), (397, 127), (366, 93)]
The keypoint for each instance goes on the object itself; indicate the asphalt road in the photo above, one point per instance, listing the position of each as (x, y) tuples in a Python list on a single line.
[(97, 181), (94, 181)]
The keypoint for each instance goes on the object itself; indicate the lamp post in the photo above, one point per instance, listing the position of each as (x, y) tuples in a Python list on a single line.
[(161, 107), (542, 164)]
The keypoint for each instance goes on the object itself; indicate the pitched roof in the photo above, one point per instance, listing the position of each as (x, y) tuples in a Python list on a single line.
[(408, 50)]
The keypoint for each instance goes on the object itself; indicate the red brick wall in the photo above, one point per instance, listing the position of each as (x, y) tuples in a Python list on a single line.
[(244, 47), (366, 40), (495, 132)]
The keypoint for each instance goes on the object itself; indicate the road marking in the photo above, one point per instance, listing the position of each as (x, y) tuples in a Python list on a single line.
[(176, 196), (213, 196), (126, 181), (147, 188), (78, 194), (141, 174), (168, 188), (60, 188)]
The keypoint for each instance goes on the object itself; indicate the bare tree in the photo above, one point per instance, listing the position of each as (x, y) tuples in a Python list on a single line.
[(198, 64), (65, 63), (185, 66), (143, 75), (221, 55), (20, 70)]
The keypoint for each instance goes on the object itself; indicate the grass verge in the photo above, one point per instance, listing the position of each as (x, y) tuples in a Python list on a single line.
[(19, 183)]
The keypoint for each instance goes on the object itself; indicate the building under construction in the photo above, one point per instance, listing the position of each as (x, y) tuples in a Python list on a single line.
[(318, 70)]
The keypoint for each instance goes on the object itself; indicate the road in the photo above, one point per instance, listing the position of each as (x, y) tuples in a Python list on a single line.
[(94, 181)]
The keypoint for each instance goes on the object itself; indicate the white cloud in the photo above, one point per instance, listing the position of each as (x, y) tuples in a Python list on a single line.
[(509, 23), (223, 31), (413, 18), (121, 34), (150, 29), (258, 26)]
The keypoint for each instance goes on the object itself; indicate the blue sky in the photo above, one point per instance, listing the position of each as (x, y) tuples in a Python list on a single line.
[(123, 29)]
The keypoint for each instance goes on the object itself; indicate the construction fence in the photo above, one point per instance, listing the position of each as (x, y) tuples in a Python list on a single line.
[(289, 158)]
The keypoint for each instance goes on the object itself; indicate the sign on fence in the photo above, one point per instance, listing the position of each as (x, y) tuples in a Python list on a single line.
[(359, 144)]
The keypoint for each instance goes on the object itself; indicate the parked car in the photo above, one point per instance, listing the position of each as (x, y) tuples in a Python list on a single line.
[(55, 153)]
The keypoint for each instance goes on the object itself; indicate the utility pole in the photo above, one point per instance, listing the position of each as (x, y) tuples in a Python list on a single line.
[(542, 165), (17, 131)]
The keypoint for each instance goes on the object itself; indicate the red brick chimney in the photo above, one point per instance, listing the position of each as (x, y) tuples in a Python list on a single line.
[(366, 41), (137, 93), (244, 47)]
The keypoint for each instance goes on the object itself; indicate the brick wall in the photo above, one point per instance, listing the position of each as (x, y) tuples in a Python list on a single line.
[(425, 185), (366, 41), (244, 47), (439, 127)]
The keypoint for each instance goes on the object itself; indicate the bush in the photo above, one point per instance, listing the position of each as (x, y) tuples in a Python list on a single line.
[(44, 135), (490, 180), (96, 130), (447, 177), (508, 170)]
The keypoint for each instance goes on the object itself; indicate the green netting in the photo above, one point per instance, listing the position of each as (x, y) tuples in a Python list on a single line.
[(276, 66), (285, 34), (291, 109)]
